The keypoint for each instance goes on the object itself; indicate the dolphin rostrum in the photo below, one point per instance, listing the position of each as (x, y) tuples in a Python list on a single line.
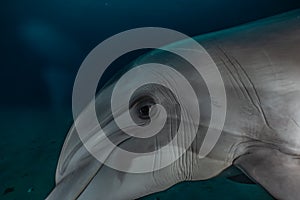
[(260, 65)]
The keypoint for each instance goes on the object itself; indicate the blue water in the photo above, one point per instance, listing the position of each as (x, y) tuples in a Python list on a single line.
[(42, 46)]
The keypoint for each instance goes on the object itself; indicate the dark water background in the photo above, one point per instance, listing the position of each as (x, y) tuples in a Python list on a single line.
[(42, 46)]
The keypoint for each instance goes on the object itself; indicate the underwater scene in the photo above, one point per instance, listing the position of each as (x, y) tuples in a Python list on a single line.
[(43, 44)]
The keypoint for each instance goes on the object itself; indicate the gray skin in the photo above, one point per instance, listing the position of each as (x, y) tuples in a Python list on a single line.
[(260, 66)]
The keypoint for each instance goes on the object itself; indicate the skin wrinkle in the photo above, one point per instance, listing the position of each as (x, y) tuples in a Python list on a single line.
[(189, 159), (242, 147)]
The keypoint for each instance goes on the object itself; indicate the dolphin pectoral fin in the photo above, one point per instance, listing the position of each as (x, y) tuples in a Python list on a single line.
[(277, 172), (72, 185), (241, 178)]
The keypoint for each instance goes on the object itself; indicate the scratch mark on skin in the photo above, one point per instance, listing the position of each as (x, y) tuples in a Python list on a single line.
[(296, 123), (233, 80), (259, 106), (243, 77)]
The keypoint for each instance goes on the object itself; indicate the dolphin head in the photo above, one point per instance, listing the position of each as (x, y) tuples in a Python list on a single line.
[(145, 137)]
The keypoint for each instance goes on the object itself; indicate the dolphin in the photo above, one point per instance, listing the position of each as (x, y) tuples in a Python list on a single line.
[(260, 66)]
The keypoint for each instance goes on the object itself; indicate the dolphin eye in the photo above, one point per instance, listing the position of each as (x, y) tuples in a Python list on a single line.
[(140, 109), (144, 111)]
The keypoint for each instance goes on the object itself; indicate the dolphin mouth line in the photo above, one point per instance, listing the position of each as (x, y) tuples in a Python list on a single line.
[(66, 160), (100, 166), (82, 144)]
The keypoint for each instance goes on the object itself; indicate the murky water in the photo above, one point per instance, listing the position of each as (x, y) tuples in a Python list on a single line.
[(43, 44)]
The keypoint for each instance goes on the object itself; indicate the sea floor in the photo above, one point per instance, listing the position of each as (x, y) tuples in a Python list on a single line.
[(30, 145)]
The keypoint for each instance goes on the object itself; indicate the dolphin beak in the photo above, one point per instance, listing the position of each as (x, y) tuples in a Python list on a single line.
[(72, 185), (76, 168), (80, 175)]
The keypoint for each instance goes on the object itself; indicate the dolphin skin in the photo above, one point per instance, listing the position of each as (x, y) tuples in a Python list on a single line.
[(260, 66)]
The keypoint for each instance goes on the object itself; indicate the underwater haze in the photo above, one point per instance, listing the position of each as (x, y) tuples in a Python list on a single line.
[(43, 44)]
